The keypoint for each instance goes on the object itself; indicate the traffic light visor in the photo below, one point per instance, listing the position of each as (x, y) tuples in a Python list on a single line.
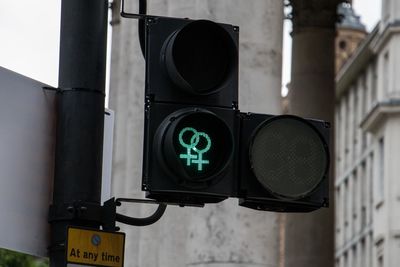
[(288, 156)]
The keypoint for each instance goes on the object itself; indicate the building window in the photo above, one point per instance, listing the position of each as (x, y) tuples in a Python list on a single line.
[(380, 252), (354, 256), (355, 198), (380, 173), (364, 194), (370, 187), (338, 211), (381, 166), (346, 132), (346, 206), (355, 122), (374, 85), (342, 44), (380, 261), (364, 90), (363, 253), (364, 141), (364, 107), (338, 139), (385, 74)]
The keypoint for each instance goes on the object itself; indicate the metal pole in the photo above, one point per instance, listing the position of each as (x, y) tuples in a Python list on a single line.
[(80, 117)]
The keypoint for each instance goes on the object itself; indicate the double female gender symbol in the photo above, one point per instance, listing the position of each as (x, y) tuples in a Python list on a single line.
[(194, 141)]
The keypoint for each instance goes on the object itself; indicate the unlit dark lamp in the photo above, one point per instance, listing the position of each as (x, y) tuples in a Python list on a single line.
[(288, 157), (199, 57)]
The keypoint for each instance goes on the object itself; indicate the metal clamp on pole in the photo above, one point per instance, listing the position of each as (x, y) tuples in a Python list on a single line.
[(86, 212)]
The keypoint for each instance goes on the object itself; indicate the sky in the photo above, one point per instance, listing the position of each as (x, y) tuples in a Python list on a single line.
[(30, 32)]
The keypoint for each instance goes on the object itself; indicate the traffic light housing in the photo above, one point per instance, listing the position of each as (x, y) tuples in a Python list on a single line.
[(194, 62), (284, 163), (191, 122), (199, 148)]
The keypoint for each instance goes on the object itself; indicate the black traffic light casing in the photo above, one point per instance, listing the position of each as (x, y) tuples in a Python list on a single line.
[(184, 67), (284, 156), (199, 148), (164, 175), (191, 122)]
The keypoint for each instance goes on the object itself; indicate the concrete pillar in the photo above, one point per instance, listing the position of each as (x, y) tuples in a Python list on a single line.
[(225, 234), (309, 237)]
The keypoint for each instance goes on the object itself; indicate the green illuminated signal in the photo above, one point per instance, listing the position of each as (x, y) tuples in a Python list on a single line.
[(194, 141), (188, 156)]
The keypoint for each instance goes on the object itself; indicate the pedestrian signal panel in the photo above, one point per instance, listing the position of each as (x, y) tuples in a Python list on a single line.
[(199, 148)]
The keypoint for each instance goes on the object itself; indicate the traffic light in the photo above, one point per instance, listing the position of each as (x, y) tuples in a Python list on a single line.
[(199, 148), (191, 122), (191, 62), (284, 163)]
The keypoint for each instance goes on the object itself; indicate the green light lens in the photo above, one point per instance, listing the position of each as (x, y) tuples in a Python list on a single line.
[(196, 146), (196, 158)]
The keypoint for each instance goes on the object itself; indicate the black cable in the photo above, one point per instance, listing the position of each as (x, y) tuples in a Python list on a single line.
[(141, 25), (142, 221)]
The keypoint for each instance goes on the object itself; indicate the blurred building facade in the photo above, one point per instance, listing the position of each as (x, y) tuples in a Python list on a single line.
[(367, 119)]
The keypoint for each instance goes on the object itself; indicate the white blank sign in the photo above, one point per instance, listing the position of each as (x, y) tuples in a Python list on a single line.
[(27, 137), (27, 143)]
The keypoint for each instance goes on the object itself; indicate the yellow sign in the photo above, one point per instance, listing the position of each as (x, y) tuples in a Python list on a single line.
[(94, 247)]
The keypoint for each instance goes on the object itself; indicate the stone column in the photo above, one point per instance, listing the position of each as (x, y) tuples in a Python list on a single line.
[(310, 236), (223, 235)]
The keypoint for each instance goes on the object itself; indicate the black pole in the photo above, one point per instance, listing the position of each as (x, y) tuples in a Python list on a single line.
[(80, 119)]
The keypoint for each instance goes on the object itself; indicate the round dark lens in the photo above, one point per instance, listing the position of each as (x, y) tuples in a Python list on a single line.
[(200, 56), (288, 157)]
